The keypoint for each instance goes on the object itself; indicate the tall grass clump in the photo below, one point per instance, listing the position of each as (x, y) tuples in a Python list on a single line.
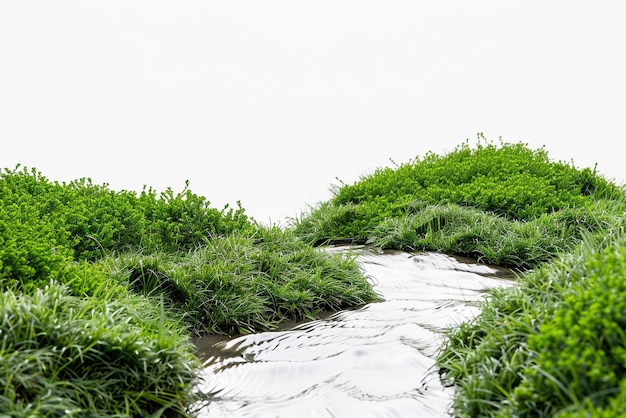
[(503, 203), (66, 356), (240, 284), (553, 345), (489, 238)]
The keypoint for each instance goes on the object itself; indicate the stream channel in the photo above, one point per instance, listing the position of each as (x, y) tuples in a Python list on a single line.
[(376, 361)]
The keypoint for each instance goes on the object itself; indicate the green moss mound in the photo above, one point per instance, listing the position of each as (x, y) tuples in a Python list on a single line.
[(500, 203), (92, 220)]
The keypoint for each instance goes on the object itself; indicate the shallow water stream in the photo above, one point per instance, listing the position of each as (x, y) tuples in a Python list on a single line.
[(377, 361)]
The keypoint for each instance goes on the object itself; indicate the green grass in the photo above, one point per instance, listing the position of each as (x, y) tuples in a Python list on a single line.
[(489, 238), (502, 203), (136, 275), (63, 355), (101, 290), (555, 344), (239, 284)]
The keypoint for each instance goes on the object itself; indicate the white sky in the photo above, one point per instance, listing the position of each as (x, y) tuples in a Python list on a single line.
[(269, 101)]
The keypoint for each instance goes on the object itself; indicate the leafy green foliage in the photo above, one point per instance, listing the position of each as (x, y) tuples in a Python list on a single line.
[(508, 182), (28, 251), (509, 179), (581, 349), (93, 220)]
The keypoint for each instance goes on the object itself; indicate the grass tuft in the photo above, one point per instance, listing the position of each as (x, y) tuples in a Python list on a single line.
[(63, 355)]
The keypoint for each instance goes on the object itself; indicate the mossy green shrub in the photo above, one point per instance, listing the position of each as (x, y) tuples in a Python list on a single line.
[(91, 219), (28, 247), (66, 356), (31, 256), (581, 349), (552, 346), (507, 181), (240, 283), (48, 230)]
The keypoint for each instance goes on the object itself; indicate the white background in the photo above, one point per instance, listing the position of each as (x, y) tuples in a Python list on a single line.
[(269, 101)]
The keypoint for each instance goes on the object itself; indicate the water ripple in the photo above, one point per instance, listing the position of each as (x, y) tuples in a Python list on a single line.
[(377, 361)]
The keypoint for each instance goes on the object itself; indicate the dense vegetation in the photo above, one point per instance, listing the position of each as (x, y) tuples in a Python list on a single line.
[(502, 204), (102, 290), (65, 355), (555, 345), (244, 283)]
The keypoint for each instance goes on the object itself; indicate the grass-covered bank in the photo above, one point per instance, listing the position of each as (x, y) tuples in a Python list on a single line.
[(241, 283), (555, 344), (63, 355), (503, 204), (102, 290)]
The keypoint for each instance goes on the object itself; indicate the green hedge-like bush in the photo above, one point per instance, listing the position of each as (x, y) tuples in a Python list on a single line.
[(507, 179), (29, 250), (45, 225), (93, 220), (581, 349)]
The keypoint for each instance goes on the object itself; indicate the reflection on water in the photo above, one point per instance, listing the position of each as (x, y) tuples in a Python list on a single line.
[(377, 361)]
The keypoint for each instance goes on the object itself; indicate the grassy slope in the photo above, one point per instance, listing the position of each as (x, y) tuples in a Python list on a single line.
[(503, 204), (555, 344), (165, 262), (552, 346), (102, 291)]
